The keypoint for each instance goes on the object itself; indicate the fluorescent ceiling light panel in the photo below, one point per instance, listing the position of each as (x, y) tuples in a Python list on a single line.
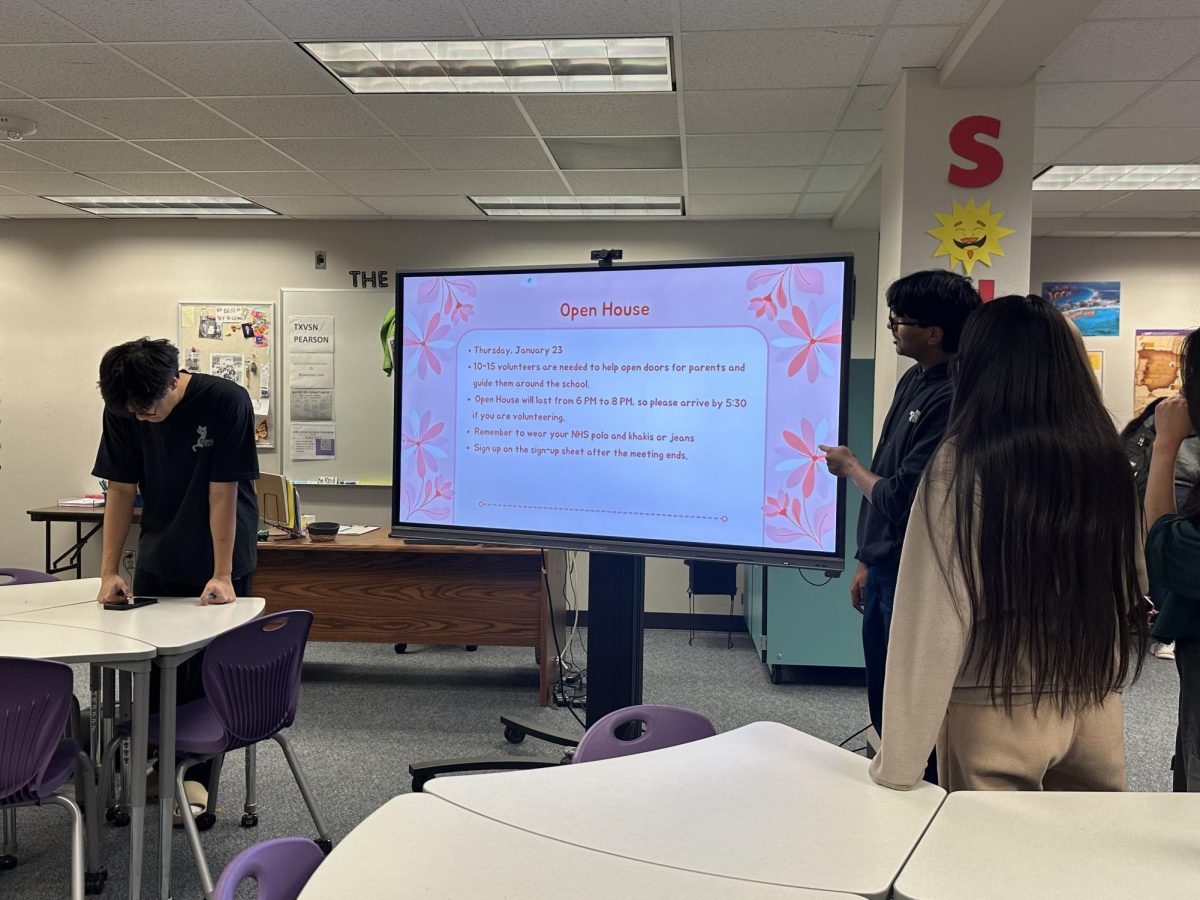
[(124, 205), (582, 65), (580, 206), (1119, 178)]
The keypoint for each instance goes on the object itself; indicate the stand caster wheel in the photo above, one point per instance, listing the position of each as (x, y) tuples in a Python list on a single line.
[(776, 674), (400, 648), (116, 816), (250, 820), (513, 735), (93, 882), (325, 844), (471, 648), (205, 821), (7, 862)]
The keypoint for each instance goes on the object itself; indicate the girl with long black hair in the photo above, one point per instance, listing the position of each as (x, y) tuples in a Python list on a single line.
[(1173, 558), (1019, 609)]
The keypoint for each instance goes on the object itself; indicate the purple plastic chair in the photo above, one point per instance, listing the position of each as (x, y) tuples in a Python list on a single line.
[(280, 868), (24, 576), (252, 687), (35, 759), (662, 726)]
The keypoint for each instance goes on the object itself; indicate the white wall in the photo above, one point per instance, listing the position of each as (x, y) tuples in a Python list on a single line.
[(1160, 288), (71, 289)]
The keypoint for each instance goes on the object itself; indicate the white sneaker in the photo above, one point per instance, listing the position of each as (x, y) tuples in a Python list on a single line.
[(1163, 651)]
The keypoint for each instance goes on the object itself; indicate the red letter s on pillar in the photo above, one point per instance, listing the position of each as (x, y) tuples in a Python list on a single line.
[(988, 161)]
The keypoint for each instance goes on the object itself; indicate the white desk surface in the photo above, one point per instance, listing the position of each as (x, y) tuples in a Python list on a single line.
[(22, 598), (1069, 846), (419, 846), (764, 802), (35, 640), (174, 625)]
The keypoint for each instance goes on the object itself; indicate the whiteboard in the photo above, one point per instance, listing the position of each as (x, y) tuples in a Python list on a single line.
[(362, 392)]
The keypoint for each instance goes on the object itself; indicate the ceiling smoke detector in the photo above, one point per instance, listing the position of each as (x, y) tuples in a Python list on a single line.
[(16, 128)]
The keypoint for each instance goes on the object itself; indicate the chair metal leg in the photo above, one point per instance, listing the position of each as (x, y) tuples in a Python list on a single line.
[(76, 843), (250, 816), (8, 846), (189, 826), (324, 842), (90, 802)]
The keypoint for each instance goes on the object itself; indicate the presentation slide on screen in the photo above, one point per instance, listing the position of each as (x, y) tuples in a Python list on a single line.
[(680, 404)]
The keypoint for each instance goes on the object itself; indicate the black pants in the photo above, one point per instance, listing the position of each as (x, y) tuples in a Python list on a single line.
[(1187, 737), (189, 682)]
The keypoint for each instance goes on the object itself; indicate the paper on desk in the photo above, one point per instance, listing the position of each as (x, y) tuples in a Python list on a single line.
[(357, 529)]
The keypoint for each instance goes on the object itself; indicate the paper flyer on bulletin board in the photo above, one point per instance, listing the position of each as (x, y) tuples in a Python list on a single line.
[(235, 341)]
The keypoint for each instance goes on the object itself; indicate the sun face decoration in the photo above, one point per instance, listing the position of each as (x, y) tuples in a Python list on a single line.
[(970, 234)]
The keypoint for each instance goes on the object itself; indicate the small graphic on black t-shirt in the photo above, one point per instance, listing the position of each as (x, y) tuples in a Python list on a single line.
[(202, 439)]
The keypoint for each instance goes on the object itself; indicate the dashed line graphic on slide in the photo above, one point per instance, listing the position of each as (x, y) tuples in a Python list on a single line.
[(611, 512)]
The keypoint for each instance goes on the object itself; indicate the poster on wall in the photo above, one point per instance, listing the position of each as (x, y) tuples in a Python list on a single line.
[(235, 341), (1093, 306), (1156, 371), (1096, 360)]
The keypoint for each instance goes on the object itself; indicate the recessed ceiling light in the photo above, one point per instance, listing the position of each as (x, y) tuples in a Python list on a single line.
[(1119, 178), (580, 206), (124, 205), (575, 65)]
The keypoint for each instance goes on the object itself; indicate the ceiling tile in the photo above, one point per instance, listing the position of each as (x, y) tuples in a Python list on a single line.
[(865, 110), (163, 20), (6, 91), (721, 15), (318, 207), (1048, 143), (819, 204), (908, 48), (742, 150), (164, 184), (775, 205), (1085, 103), (1190, 72), (97, 156), (420, 207), (421, 183), (51, 71), (27, 21), (1159, 203), (603, 114), (468, 115), (145, 119), (53, 124), (351, 153), (616, 153), (235, 68), (36, 206), (320, 20), (850, 147), (1171, 104), (247, 155), (737, 112), (747, 181), (12, 160), (936, 12), (1126, 146), (828, 179), (56, 184), (282, 184), (480, 153), (1064, 202), (626, 183), (1128, 50), (1136, 9), (786, 58), (272, 117), (519, 18)]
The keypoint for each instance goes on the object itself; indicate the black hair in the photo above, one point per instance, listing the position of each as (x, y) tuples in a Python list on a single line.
[(136, 375), (935, 297), (1189, 362), (1047, 531)]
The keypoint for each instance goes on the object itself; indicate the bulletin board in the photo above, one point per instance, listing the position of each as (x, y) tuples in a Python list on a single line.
[(336, 425), (234, 341)]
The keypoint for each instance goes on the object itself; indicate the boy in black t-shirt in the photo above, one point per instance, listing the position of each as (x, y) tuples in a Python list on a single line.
[(188, 441)]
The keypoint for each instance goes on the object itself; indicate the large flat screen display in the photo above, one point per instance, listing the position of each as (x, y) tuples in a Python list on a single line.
[(670, 409)]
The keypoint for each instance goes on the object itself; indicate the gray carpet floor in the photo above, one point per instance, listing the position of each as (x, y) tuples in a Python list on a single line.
[(366, 713)]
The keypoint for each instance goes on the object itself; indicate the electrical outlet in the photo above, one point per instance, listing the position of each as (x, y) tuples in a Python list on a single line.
[(320, 259), (128, 560)]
